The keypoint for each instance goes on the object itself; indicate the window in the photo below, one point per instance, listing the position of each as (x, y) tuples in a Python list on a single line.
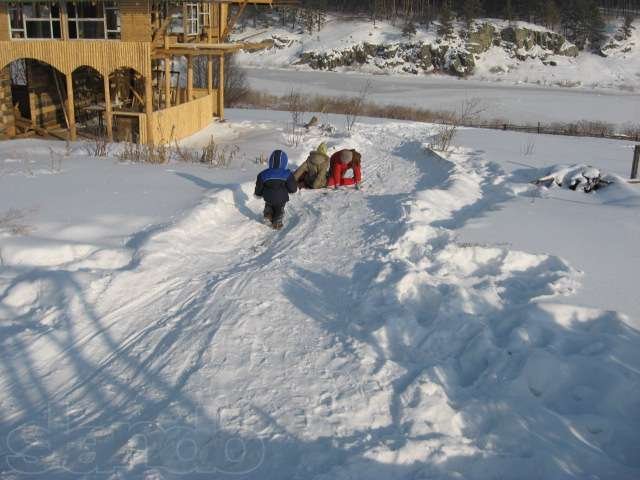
[(191, 21), (94, 20), (203, 14), (197, 17), (35, 20)]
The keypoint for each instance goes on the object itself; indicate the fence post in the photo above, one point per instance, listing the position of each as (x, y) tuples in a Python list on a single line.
[(636, 161), (538, 128)]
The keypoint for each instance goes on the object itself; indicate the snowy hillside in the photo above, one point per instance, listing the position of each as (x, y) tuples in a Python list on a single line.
[(427, 326), (499, 52)]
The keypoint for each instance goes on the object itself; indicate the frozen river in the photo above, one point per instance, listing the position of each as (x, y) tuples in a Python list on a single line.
[(515, 103)]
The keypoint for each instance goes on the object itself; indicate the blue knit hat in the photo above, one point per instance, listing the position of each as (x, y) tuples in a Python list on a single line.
[(278, 159)]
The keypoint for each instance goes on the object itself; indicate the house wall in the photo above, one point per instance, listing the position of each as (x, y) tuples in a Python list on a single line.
[(7, 120), (181, 121), (5, 33), (135, 17), (103, 55)]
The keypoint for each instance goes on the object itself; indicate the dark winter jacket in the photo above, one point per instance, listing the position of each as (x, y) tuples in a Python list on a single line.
[(276, 182), (313, 172)]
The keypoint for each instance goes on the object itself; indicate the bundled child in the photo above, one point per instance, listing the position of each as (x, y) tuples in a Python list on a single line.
[(274, 185), (313, 172), (341, 162)]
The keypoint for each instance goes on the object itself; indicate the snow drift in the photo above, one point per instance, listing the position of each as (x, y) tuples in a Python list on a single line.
[(364, 340)]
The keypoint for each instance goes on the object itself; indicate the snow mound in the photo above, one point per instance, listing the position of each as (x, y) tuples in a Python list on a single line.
[(576, 177)]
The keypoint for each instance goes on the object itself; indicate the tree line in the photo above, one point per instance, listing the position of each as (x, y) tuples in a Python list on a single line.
[(581, 21)]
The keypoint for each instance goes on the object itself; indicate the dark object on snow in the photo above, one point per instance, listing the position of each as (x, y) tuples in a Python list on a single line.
[(274, 185), (588, 179), (636, 161), (312, 123)]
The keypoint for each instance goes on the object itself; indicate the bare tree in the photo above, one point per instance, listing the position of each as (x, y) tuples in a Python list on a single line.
[(356, 106), (236, 86), (295, 106), (470, 111)]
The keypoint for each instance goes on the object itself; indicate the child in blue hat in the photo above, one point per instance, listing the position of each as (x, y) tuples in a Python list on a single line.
[(274, 185)]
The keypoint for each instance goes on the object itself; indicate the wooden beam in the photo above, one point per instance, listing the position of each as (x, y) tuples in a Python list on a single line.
[(217, 46), (210, 74), (108, 112), (210, 81), (167, 82), (148, 108), (189, 78), (211, 15), (71, 112), (221, 88), (186, 49), (64, 21)]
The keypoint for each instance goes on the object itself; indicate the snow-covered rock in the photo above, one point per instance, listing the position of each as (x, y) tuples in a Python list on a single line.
[(495, 50)]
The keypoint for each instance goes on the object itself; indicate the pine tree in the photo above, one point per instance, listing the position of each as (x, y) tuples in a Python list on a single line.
[(508, 13), (471, 10), (409, 29), (595, 26), (551, 15), (627, 26), (446, 21)]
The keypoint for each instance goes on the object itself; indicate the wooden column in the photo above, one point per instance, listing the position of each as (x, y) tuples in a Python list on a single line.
[(209, 74), (71, 111), (189, 78), (108, 114), (220, 25), (167, 82), (210, 82), (211, 15), (221, 88), (148, 108)]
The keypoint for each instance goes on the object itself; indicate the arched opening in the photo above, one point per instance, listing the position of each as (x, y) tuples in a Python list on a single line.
[(126, 100), (89, 101), (127, 90), (33, 99)]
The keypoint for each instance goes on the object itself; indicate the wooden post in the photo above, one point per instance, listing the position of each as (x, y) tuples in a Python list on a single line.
[(210, 82), (221, 88), (108, 116), (636, 163), (64, 21), (148, 108), (71, 113), (210, 29), (167, 82), (189, 78), (209, 74), (221, 27)]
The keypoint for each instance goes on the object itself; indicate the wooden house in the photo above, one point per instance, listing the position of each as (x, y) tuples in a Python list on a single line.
[(149, 71)]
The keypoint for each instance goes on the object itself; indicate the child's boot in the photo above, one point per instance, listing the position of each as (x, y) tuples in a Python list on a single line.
[(268, 213)]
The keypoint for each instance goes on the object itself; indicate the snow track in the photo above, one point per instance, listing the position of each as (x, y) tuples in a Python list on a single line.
[(361, 341)]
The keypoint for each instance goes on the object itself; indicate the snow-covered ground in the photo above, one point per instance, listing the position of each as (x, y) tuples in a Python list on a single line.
[(450, 320), (618, 70)]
